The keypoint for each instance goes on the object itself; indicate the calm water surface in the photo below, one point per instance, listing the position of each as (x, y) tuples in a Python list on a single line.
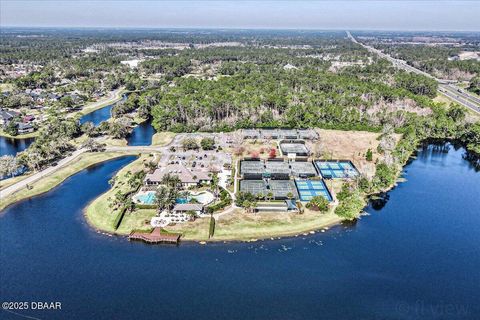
[(98, 116), (141, 134), (417, 257), (10, 146)]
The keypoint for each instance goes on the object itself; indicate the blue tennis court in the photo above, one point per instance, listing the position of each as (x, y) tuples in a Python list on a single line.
[(336, 169), (307, 189)]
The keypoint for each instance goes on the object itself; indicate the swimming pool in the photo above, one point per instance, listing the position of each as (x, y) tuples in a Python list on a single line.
[(307, 189), (182, 200), (204, 197), (145, 198), (336, 169)]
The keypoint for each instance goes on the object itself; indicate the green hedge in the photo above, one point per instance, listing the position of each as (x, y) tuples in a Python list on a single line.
[(211, 230), (148, 230), (145, 206), (119, 218)]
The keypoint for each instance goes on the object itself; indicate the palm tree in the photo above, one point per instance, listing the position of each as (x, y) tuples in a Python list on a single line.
[(215, 181), (130, 205), (247, 205), (161, 198), (171, 181), (192, 215), (270, 195)]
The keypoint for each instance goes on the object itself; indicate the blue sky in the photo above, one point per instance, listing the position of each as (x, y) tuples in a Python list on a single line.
[(313, 14)]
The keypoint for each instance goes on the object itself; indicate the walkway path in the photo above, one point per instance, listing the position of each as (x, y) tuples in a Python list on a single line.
[(36, 176), (112, 97)]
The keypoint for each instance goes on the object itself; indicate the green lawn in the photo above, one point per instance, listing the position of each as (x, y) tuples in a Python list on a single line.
[(162, 138), (47, 183), (243, 226), (101, 216), (19, 136)]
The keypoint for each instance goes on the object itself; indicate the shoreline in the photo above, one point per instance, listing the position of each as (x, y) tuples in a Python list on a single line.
[(91, 107), (51, 181), (19, 136)]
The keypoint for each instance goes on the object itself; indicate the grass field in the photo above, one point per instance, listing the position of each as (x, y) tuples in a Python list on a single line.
[(162, 138), (349, 145), (100, 216), (8, 182), (242, 226), (47, 183), (99, 104)]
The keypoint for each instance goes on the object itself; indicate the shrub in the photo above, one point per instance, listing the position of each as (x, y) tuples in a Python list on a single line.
[(369, 155), (350, 207), (189, 144), (211, 229), (207, 143), (384, 175), (319, 203)]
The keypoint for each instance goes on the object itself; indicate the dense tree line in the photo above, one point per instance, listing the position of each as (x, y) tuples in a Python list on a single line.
[(441, 61)]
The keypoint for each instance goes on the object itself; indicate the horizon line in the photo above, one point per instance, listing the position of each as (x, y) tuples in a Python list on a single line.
[(230, 28)]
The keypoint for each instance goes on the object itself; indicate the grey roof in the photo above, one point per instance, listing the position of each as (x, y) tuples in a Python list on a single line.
[(280, 133), (24, 126), (307, 134), (188, 207), (288, 133), (268, 133), (8, 114), (250, 133)]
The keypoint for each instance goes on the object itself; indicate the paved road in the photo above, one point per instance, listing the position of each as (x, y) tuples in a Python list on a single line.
[(445, 87), (33, 178), (164, 150)]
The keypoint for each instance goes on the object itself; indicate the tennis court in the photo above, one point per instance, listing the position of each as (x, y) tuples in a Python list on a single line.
[(254, 187), (336, 169), (282, 189), (307, 189)]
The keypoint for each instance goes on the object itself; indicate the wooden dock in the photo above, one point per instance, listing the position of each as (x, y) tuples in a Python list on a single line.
[(156, 236)]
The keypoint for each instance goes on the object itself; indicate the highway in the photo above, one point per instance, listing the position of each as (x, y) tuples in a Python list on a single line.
[(445, 87)]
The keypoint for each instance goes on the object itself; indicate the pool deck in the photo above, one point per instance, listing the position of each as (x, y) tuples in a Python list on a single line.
[(156, 236)]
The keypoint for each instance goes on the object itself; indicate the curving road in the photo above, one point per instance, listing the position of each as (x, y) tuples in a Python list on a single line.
[(165, 150), (445, 87)]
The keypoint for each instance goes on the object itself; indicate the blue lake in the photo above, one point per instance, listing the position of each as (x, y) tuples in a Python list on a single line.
[(10, 146), (141, 134), (416, 257)]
